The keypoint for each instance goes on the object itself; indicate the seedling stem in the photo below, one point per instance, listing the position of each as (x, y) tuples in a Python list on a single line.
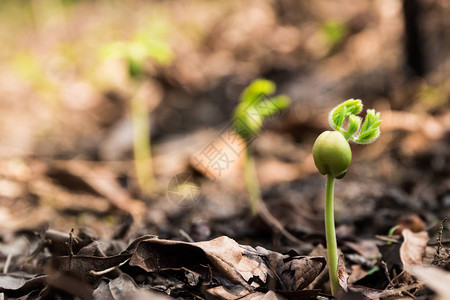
[(251, 182), (331, 235), (332, 156)]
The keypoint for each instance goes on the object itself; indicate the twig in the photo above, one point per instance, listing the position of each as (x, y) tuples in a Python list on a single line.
[(186, 236), (103, 272), (386, 238), (276, 225), (7, 263), (386, 272), (70, 246), (210, 272), (439, 238)]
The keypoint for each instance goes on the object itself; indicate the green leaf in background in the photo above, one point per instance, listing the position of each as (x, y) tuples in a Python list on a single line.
[(272, 106), (258, 88), (113, 50), (146, 44), (33, 71), (334, 31), (160, 52), (252, 110)]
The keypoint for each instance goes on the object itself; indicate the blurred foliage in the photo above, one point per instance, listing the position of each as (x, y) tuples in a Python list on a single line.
[(432, 97), (256, 105), (334, 31), (147, 43), (31, 69)]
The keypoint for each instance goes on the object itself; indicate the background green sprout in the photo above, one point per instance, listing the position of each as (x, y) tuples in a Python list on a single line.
[(332, 156), (146, 45), (255, 106)]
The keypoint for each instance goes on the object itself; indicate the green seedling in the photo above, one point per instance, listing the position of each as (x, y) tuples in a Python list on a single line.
[(332, 156), (255, 106), (136, 53)]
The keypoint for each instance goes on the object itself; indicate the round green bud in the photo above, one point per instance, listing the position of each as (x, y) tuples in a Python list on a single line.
[(332, 154)]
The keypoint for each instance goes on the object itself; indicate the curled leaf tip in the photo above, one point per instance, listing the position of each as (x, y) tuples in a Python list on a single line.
[(338, 115)]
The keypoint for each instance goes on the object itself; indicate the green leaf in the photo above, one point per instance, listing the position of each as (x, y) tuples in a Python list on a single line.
[(334, 31), (113, 50), (354, 122), (368, 136), (370, 128), (256, 90), (160, 51), (272, 106), (338, 115), (252, 110)]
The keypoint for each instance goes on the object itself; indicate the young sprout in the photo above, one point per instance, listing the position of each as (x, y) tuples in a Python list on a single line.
[(332, 156), (254, 108), (136, 53)]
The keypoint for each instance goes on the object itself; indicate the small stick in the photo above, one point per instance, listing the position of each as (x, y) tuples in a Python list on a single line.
[(70, 245), (7, 263), (186, 236), (386, 238), (386, 272), (103, 272), (439, 238)]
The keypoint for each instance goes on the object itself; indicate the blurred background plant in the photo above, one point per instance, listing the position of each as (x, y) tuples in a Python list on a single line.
[(256, 105), (147, 44)]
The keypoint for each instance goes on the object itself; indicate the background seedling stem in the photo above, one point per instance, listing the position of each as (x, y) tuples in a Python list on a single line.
[(254, 107), (251, 181), (141, 144)]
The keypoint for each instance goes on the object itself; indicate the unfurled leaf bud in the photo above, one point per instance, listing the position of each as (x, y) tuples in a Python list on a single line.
[(354, 122), (332, 154), (338, 115), (370, 130)]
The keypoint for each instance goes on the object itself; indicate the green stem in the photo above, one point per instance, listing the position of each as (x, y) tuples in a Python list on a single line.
[(251, 182), (391, 232), (331, 236), (141, 144)]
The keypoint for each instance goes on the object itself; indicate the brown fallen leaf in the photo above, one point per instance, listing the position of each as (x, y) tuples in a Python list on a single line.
[(371, 293), (124, 287), (225, 258), (413, 248), (413, 222), (68, 283), (229, 148), (342, 273), (224, 255), (223, 293), (230, 293), (366, 248), (293, 271), (356, 274), (16, 286), (436, 279), (102, 181)]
